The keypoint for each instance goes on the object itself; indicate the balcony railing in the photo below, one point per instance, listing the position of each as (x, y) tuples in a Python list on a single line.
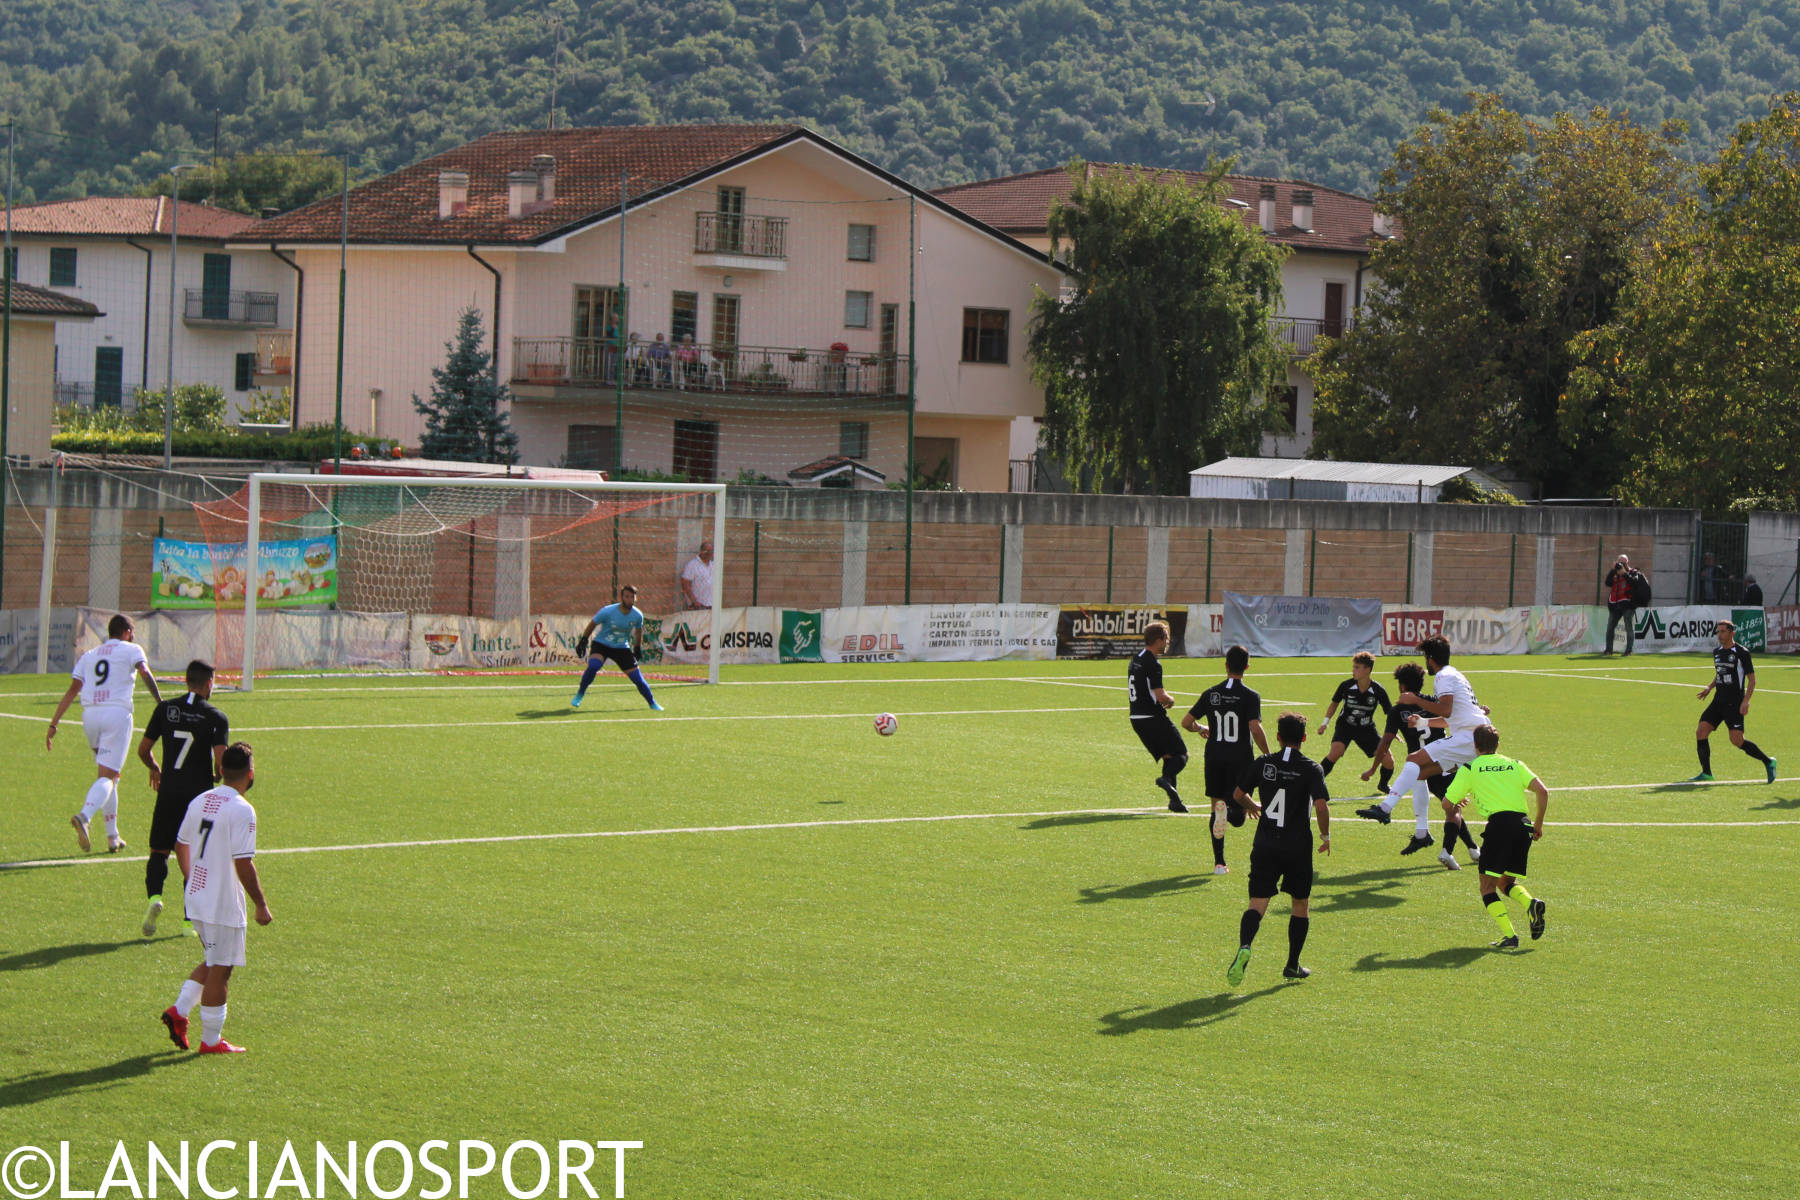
[(1301, 334), (275, 352), (736, 370), (210, 305), (68, 392), (732, 233)]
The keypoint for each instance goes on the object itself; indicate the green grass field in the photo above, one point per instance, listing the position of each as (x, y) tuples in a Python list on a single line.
[(976, 959)]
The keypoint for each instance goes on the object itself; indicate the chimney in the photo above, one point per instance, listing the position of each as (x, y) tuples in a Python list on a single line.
[(545, 166), (521, 192), (1303, 209), (1265, 208), (453, 194), (1384, 225)]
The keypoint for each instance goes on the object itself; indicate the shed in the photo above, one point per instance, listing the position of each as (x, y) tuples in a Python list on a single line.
[(1315, 479)]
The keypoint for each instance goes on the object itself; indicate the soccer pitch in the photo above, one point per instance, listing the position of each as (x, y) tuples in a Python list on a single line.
[(976, 959)]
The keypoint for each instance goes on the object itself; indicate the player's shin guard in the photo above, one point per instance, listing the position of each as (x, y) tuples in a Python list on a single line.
[(1173, 765), (587, 676), (1297, 927), (1703, 748), (1755, 752), (156, 872), (1325, 767), (1409, 775), (188, 997), (643, 688), (212, 1024), (1421, 809), (1387, 775), (1518, 895), (1248, 926), (1496, 908), (98, 796), (1218, 851)]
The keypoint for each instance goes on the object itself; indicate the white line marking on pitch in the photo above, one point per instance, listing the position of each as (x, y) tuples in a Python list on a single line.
[(846, 821), (1761, 691)]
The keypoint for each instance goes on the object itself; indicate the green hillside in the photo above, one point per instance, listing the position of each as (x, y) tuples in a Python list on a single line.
[(938, 90)]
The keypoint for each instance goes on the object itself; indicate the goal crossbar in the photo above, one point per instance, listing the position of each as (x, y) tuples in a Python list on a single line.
[(253, 528)]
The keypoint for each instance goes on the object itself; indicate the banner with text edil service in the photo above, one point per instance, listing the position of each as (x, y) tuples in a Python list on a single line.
[(1116, 630), (1781, 633), (1468, 630), (1302, 626), (938, 633), (1680, 630)]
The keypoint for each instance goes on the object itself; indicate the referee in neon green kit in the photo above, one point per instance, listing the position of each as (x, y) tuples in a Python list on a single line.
[(1498, 785)]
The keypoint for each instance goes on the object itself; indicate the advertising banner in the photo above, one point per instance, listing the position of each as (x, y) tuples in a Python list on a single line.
[(1568, 629), (1684, 629), (1468, 630), (210, 575), (749, 635), (1205, 630), (1781, 631), (451, 642), (1115, 630), (1301, 626), (802, 634), (19, 640), (976, 633), (1752, 628)]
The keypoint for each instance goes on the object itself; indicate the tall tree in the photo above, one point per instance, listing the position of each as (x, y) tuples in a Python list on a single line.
[(1515, 236), (464, 420), (1159, 357), (1698, 375)]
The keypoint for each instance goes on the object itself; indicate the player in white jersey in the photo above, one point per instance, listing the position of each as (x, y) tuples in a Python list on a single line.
[(1462, 715), (106, 679), (217, 851)]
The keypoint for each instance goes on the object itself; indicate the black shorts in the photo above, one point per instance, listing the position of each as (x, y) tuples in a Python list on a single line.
[(1363, 737), (1159, 735), (1724, 713), (165, 821), (1273, 864), (620, 654), (1439, 784), (1222, 778), (1506, 845)]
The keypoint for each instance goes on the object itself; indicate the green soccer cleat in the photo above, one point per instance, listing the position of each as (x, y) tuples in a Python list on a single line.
[(1702, 777), (1535, 912), (150, 914), (1234, 975), (1771, 766)]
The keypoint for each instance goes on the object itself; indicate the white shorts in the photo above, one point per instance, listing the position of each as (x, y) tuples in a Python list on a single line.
[(109, 733), (224, 943), (1457, 750)]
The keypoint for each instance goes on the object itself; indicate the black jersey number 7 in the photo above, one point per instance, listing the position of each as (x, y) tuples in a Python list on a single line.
[(206, 828)]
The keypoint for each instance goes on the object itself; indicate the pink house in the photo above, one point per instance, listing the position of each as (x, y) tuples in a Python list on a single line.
[(720, 302)]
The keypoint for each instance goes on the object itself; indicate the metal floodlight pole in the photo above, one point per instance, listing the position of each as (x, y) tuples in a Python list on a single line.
[(6, 359), (912, 372), (337, 418), (619, 317), (169, 371)]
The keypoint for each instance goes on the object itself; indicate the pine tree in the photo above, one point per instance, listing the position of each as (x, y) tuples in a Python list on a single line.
[(464, 419)]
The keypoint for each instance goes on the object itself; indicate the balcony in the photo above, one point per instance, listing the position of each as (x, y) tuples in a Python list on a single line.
[(1300, 334), (211, 307), (549, 368), (275, 353), (730, 241)]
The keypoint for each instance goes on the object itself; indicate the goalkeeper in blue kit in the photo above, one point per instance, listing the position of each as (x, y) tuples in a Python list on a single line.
[(617, 633)]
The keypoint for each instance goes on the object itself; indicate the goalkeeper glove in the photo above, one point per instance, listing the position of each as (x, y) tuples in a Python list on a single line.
[(581, 647)]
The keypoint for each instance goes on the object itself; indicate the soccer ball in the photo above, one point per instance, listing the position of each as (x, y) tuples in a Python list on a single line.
[(885, 724)]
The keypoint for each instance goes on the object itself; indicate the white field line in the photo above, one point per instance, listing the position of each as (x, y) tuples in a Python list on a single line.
[(1648, 682), (93, 860)]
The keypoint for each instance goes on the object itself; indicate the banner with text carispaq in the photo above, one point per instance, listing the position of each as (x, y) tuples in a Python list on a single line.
[(1301, 626), (1694, 628)]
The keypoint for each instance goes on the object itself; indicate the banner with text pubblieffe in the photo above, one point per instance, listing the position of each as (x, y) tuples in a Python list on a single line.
[(211, 574), (1116, 630)]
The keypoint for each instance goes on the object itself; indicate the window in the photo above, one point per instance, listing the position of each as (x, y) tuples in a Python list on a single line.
[(1286, 401), (215, 289), (853, 439), (697, 450), (246, 367), (109, 376), (590, 448), (862, 243), (684, 317), (62, 266), (856, 309), (731, 220), (934, 458), (724, 322), (984, 335)]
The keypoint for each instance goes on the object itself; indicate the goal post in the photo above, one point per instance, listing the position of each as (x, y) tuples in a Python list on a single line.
[(411, 549)]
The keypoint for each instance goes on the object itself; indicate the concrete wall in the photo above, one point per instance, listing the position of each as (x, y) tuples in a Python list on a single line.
[(32, 395), (1775, 555)]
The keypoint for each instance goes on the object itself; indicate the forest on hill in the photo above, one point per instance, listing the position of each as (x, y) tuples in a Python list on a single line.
[(105, 94)]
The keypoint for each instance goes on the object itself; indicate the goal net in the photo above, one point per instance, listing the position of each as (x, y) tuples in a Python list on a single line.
[(387, 573)]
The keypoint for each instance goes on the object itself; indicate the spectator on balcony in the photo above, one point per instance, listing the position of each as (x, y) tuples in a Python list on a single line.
[(1753, 596), (635, 361), (660, 370), (688, 355)]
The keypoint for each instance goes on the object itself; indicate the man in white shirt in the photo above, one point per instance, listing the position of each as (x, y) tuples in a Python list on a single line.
[(106, 680), (1455, 702), (217, 850), (696, 578)]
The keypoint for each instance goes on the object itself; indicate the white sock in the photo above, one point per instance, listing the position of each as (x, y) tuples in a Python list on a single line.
[(190, 996), (1421, 809), (1409, 775), (212, 1024), (97, 796), (110, 810)]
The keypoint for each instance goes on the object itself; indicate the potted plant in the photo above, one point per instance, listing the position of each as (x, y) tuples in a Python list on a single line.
[(797, 355)]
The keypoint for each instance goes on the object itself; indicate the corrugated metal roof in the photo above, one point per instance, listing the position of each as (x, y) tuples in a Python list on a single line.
[(1341, 472)]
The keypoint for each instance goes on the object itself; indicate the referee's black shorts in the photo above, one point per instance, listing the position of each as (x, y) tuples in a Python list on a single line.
[(1159, 735), (1506, 845), (620, 654)]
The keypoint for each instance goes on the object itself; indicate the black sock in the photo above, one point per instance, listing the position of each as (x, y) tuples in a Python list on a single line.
[(1172, 766), (1751, 749), (1248, 926), (1463, 828), (1387, 775), (1219, 852), (1297, 927), (156, 871), (1704, 748), (1328, 764)]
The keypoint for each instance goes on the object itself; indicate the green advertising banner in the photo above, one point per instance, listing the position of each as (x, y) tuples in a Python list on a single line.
[(1752, 628), (208, 575), (801, 636)]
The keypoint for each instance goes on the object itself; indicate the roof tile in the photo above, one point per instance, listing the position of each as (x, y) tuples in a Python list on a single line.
[(126, 216), (42, 302)]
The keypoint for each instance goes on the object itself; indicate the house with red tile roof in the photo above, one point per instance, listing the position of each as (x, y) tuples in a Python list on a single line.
[(717, 302), (1330, 232), (230, 306), (37, 316)]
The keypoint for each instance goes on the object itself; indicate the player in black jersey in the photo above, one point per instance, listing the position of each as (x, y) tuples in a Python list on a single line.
[(1233, 716), (1734, 682), (1282, 854), (1149, 706), (194, 735), (1417, 727), (1361, 696)]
